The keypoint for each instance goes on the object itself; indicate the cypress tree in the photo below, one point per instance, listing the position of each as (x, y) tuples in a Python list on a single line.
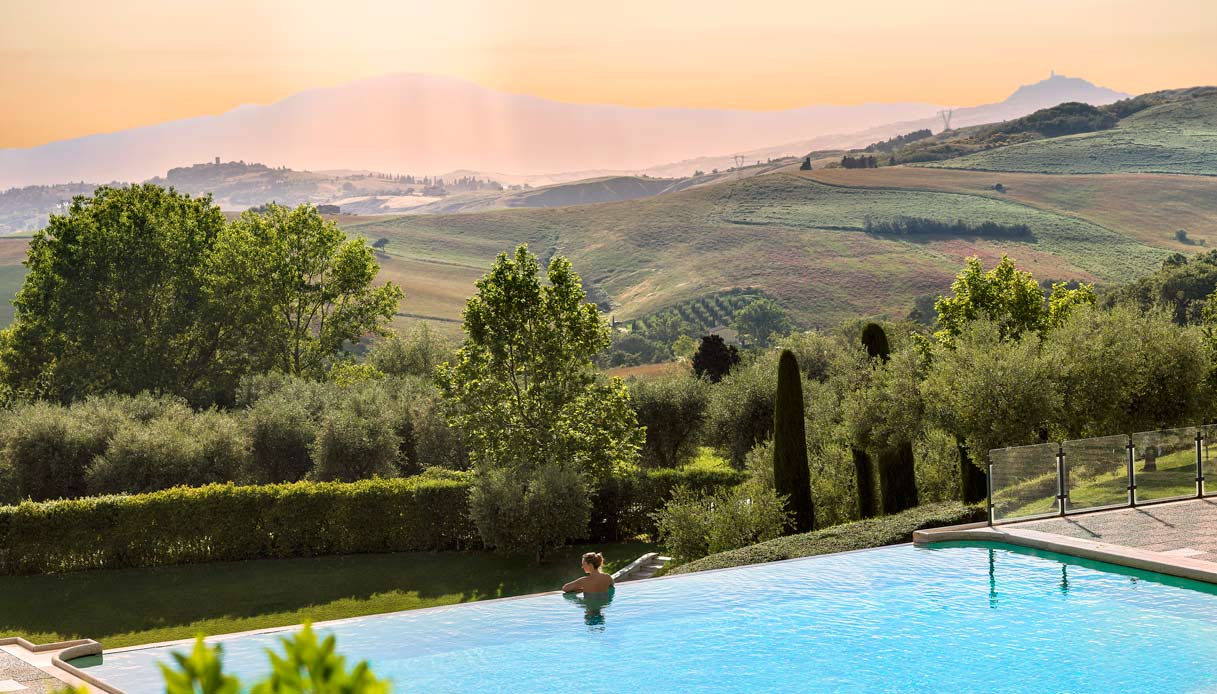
[(791, 476), (868, 505), (897, 479), (973, 486)]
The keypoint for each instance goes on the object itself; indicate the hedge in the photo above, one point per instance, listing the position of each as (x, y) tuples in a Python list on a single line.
[(225, 522), (873, 532)]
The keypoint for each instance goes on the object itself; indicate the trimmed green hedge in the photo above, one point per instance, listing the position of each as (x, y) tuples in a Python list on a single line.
[(226, 522), (873, 532)]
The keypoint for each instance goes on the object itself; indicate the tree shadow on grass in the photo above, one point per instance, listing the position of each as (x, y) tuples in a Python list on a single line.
[(129, 606)]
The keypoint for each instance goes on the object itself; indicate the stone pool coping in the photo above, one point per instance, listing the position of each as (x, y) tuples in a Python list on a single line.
[(52, 658), (1120, 555)]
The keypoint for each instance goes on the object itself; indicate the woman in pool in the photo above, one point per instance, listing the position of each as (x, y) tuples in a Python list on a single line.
[(594, 581)]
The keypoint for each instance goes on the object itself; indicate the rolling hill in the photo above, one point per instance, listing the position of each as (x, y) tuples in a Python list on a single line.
[(796, 236), (1178, 138)]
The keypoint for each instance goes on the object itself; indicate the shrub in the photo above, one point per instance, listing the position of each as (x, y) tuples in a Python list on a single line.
[(10, 492), (357, 440), (48, 450), (417, 354), (281, 433), (875, 532), (207, 448), (229, 523), (529, 512), (623, 506), (691, 526)]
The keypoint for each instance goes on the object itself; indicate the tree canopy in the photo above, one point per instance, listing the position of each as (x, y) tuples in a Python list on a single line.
[(523, 386), (146, 289), (1008, 297)]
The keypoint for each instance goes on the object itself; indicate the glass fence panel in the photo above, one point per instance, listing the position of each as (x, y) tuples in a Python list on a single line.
[(1096, 472), (1024, 481), (1165, 463), (1208, 458)]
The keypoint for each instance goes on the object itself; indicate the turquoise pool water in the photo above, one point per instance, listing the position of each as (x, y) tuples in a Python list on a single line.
[(956, 618)]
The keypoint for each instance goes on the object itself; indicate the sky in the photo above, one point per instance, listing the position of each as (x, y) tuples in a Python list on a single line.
[(73, 68)]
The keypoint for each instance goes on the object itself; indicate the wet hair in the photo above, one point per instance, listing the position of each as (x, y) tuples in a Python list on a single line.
[(593, 558)]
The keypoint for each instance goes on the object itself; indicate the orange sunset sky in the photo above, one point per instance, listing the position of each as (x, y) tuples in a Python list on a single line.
[(74, 68)]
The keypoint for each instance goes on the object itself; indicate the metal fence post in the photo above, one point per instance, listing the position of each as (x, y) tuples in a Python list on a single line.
[(1132, 476), (1061, 495), (1199, 465), (989, 490)]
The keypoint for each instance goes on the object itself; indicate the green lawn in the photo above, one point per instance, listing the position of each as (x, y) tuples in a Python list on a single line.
[(134, 606), (1174, 476)]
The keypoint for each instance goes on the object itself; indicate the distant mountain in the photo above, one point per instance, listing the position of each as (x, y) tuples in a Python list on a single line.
[(427, 124)]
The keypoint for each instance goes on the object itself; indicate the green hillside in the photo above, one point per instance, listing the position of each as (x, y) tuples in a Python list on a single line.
[(10, 281), (792, 238), (1177, 138)]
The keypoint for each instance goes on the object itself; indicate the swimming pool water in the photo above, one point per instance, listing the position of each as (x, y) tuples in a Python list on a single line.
[(957, 618)]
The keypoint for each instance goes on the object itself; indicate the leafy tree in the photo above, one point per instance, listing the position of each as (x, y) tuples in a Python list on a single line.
[(304, 289), (523, 387), (1009, 298), (1126, 371), (672, 410), (1182, 284), (666, 327), (714, 359), (874, 340), (741, 410), (117, 300), (761, 320), (791, 476), (990, 392)]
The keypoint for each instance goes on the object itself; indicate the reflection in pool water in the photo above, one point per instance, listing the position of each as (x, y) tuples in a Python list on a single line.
[(593, 605)]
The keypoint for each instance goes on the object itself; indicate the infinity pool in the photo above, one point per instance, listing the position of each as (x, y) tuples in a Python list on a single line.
[(957, 618)]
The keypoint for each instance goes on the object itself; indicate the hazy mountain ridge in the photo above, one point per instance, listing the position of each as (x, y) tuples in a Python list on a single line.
[(427, 124)]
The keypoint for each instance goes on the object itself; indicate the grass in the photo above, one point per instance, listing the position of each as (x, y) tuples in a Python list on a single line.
[(1176, 138), (135, 606), (1103, 484), (874, 532)]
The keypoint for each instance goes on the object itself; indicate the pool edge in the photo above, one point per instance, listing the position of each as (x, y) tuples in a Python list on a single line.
[(1131, 557)]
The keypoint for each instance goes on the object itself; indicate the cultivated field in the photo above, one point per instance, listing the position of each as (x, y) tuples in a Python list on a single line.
[(793, 237), (1145, 207)]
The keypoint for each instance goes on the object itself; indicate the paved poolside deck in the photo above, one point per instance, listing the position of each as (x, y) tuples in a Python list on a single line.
[(1182, 528), (1177, 538), (16, 675)]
